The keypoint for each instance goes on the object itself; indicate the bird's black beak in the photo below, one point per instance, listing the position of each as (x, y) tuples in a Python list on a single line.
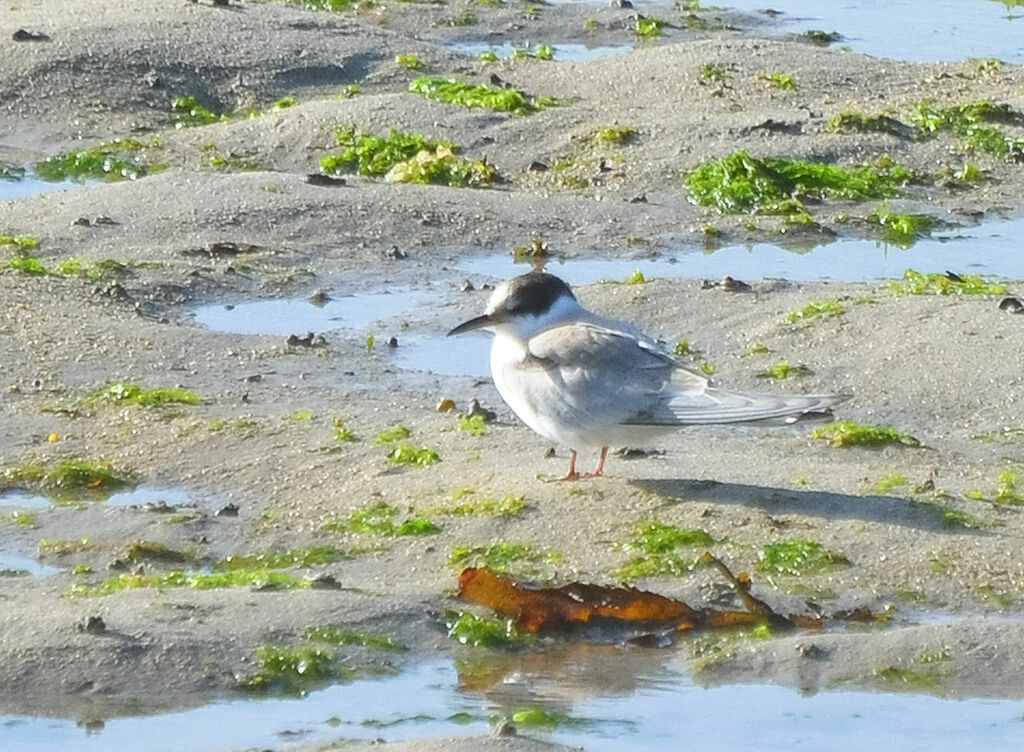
[(478, 323)]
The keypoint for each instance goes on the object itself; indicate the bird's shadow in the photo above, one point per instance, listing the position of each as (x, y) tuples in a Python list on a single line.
[(891, 510)]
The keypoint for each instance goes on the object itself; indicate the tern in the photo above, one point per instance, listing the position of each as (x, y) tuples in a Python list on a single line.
[(585, 381)]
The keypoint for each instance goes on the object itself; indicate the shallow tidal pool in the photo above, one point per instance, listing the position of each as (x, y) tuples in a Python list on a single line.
[(643, 704)]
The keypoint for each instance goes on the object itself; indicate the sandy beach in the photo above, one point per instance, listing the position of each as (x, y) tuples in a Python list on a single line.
[(945, 369)]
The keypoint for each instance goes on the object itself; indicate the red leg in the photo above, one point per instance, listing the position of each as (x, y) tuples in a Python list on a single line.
[(599, 470), (572, 474)]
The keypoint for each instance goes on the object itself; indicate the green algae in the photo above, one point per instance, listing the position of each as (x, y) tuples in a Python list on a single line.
[(901, 677), (467, 628), (70, 475), (189, 113), (409, 61), (258, 578), (379, 518), (972, 123), (616, 134), (342, 432), (392, 434), (739, 182), (104, 270), (111, 161), (27, 265), (1006, 492), (783, 369), (64, 546), (648, 26), (405, 157), (849, 121), (22, 243), (407, 454), (306, 556), (799, 556), (816, 310), (453, 91), (655, 550), (916, 283), (340, 636), (509, 505), (134, 394), (141, 551), (502, 556), (293, 669), (902, 230), (845, 433), (778, 80), (475, 425)]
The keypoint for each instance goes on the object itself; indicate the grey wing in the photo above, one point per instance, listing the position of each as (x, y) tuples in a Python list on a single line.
[(607, 375), (603, 376)]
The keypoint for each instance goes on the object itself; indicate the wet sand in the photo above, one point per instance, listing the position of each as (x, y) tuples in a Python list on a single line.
[(946, 369)]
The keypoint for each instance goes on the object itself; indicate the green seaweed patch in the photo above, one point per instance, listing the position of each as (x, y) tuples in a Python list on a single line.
[(392, 434), (971, 122), (342, 432), (649, 26), (507, 506), (475, 425), (917, 283), (817, 309), (6, 572), (820, 38), (58, 547), (19, 517), (778, 80), (71, 475), (540, 52), (1008, 434), (186, 112), (27, 265), (502, 556), (655, 546), (307, 556), (111, 161), (784, 370), (844, 433), (799, 556), (134, 394), (739, 182), (407, 454), (367, 154), (340, 636), (293, 669), (335, 6), (104, 270), (902, 230), (22, 243), (1007, 492), (142, 551), (453, 91), (467, 628), (257, 578), (889, 482), (379, 519), (616, 134), (901, 677), (539, 718), (995, 596), (409, 61), (849, 121), (405, 157)]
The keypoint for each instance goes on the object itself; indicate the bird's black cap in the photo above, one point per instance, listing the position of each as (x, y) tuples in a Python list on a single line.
[(530, 294)]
